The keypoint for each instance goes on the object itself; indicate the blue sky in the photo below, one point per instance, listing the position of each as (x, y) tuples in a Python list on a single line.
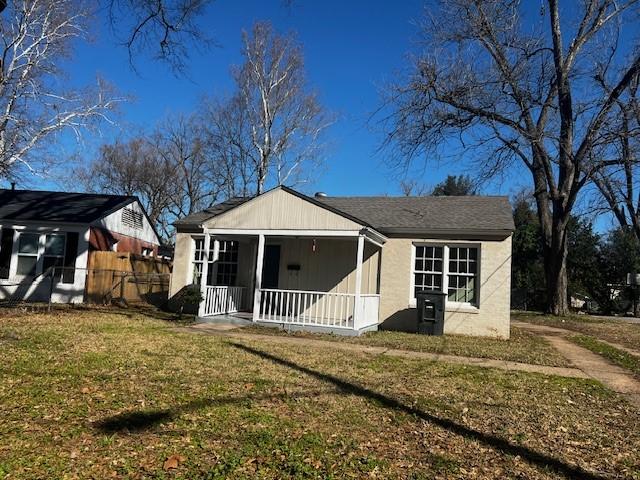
[(351, 49)]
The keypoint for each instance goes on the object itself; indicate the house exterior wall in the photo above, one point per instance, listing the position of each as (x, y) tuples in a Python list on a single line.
[(280, 210), (182, 272), (331, 268), (38, 289), (105, 240), (492, 316), (113, 223)]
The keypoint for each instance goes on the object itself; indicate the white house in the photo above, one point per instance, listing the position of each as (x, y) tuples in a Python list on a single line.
[(41, 231)]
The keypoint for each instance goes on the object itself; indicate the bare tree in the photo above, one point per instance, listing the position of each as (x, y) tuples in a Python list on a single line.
[(285, 120), (178, 143), (227, 143), (619, 182), (37, 37), (518, 92), (167, 29), (135, 168)]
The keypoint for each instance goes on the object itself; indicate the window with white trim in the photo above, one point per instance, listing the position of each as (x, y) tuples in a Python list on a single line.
[(452, 269), (227, 265), (198, 259), (463, 270), (28, 245), (54, 247), (427, 269)]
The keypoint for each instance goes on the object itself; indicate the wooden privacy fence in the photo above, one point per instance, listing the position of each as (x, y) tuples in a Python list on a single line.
[(128, 277)]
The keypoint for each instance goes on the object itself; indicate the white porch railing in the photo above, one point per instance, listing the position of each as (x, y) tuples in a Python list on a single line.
[(221, 299), (325, 309)]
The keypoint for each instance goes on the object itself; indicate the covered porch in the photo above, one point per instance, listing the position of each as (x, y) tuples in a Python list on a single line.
[(323, 280)]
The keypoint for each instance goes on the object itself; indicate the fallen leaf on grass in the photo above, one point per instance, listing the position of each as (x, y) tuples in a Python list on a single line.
[(173, 461)]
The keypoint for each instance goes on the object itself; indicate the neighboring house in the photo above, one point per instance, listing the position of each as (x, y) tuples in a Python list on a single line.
[(350, 264), (40, 230)]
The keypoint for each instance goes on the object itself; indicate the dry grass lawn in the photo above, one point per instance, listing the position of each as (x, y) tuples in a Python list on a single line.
[(523, 346), (611, 330), (108, 395)]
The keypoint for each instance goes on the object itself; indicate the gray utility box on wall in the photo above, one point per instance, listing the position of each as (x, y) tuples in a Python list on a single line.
[(430, 305)]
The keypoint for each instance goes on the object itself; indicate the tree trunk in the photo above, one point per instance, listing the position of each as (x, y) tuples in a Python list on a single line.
[(555, 267)]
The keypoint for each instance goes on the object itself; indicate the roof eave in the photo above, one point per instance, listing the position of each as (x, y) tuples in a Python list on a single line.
[(453, 234)]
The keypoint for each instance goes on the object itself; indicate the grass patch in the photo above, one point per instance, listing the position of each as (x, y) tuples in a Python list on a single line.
[(615, 355), (522, 346), (610, 329), (105, 395)]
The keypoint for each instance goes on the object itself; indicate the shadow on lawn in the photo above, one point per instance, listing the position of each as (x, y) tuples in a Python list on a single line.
[(139, 420), (533, 457), (135, 421)]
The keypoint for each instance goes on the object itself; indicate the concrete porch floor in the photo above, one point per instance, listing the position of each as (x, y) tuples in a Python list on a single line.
[(244, 319)]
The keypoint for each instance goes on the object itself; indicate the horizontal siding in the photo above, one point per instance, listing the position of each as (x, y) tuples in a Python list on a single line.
[(280, 210)]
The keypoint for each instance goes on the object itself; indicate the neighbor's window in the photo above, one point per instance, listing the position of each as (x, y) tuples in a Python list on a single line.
[(463, 269), (27, 253), (227, 268), (54, 253), (451, 269), (428, 268)]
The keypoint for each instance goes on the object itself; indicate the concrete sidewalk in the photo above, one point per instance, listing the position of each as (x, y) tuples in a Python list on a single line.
[(230, 331), (616, 378)]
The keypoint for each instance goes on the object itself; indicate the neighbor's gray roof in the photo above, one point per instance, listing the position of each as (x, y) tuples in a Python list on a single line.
[(196, 219), (67, 207), (400, 215)]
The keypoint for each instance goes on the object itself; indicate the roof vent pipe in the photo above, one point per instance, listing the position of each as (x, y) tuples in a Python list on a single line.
[(13, 185), (320, 195)]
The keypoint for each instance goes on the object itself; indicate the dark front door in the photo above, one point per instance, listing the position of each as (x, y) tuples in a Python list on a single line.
[(271, 266)]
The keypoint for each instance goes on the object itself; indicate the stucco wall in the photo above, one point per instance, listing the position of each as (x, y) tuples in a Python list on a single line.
[(181, 275), (491, 318)]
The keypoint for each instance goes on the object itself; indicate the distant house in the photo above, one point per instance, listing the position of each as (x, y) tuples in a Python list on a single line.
[(349, 264), (43, 230)]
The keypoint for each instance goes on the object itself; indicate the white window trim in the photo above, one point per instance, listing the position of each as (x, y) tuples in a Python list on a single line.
[(462, 306)]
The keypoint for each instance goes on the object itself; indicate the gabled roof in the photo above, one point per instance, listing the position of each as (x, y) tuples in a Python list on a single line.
[(399, 215), (65, 207), (428, 214)]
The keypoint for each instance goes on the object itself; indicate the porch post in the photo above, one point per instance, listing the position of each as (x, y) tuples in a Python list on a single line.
[(205, 274), (258, 282), (357, 304)]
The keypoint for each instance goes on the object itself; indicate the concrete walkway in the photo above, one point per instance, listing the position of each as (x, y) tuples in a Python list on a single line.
[(231, 332), (616, 378)]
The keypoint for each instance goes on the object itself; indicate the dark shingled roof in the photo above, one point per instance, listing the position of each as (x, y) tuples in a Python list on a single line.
[(427, 214), (400, 215), (41, 206), (196, 219)]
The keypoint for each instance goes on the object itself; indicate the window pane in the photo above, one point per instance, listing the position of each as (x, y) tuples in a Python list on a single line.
[(437, 266), (472, 267), (473, 253), (453, 253), (54, 245), (28, 243), (453, 266), (26, 265), (462, 253)]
